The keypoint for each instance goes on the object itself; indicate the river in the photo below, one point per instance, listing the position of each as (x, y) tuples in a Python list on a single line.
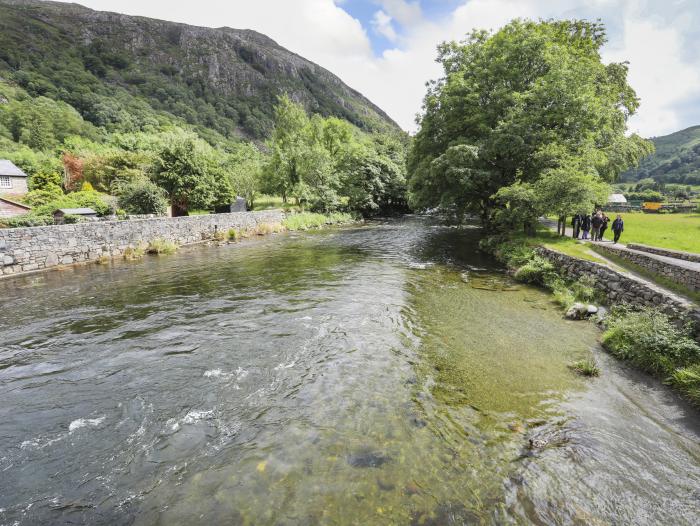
[(381, 374)]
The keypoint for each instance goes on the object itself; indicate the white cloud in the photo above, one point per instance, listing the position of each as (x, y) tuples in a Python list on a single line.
[(651, 34), (382, 24)]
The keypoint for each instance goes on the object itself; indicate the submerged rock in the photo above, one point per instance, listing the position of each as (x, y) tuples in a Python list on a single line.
[(581, 311), (367, 459)]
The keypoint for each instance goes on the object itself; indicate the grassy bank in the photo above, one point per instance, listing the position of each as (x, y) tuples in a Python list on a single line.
[(646, 337)]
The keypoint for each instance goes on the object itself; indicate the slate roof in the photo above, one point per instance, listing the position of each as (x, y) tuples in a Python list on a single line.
[(8, 168), (76, 211)]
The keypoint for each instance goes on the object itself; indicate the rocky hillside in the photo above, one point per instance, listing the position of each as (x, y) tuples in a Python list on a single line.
[(676, 160), (122, 71)]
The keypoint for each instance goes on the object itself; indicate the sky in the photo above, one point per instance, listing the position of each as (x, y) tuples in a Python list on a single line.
[(386, 49)]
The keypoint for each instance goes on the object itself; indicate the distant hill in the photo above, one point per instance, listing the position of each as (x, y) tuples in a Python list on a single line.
[(677, 159), (123, 71)]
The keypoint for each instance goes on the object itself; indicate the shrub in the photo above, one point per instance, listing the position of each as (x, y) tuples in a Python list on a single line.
[(220, 235), (650, 340), (585, 367), (537, 270), (161, 246), (142, 197), (45, 180), (43, 196), (687, 381), (26, 220), (87, 187), (233, 234)]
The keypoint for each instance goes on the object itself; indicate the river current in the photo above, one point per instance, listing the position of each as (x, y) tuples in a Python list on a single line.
[(388, 373)]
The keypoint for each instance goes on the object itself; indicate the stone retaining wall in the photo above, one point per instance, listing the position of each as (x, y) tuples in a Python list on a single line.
[(37, 248), (677, 254), (620, 288), (678, 273)]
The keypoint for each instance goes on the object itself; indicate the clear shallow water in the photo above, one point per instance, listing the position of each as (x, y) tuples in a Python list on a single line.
[(386, 374)]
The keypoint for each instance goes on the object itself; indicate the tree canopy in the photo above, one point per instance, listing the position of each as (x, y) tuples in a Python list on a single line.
[(532, 107)]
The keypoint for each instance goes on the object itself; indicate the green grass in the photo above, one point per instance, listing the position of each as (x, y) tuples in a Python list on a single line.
[(585, 367), (161, 246), (672, 231), (268, 202), (565, 244), (306, 220), (650, 340)]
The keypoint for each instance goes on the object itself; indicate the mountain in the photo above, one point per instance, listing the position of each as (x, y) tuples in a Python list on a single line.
[(676, 160), (123, 71)]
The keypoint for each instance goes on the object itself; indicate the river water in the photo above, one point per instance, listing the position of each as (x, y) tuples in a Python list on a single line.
[(381, 374)]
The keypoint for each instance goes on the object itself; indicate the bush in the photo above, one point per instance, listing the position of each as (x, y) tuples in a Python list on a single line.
[(161, 246), (537, 270), (233, 234), (45, 195), (45, 180), (142, 197), (26, 220), (585, 367), (650, 340)]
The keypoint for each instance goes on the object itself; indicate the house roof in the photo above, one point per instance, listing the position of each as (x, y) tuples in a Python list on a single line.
[(8, 168), (617, 198), (76, 211), (15, 203)]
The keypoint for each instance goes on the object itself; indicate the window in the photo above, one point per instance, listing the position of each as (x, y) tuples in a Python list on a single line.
[(5, 182)]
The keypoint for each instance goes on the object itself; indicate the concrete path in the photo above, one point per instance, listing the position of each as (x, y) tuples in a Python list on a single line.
[(620, 246)]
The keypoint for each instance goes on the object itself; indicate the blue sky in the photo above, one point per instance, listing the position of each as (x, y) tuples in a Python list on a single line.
[(386, 48)]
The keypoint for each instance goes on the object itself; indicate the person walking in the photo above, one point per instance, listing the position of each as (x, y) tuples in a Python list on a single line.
[(585, 226), (604, 227), (596, 223), (576, 225), (618, 227)]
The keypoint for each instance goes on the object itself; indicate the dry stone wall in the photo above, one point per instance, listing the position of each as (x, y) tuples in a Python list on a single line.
[(37, 248), (676, 254), (620, 288), (683, 272)]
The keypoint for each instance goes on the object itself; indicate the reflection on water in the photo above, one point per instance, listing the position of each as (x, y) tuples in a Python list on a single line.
[(385, 374)]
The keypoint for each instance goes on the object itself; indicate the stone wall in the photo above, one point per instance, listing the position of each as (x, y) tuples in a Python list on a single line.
[(676, 254), (37, 248), (678, 271), (621, 288)]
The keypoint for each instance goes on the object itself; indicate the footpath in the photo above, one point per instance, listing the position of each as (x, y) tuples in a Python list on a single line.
[(680, 267)]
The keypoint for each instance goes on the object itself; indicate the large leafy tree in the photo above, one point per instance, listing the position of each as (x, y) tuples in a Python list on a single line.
[(528, 100)]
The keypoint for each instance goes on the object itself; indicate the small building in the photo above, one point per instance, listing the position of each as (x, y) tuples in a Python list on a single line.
[(10, 208), (617, 199), (12, 179), (59, 216)]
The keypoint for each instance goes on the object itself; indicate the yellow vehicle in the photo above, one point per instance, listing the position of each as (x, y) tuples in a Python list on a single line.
[(651, 208)]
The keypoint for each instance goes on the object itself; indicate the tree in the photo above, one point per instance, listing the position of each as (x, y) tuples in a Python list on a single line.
[(142, 196), (185, 169), (514, 104), (243, 168)]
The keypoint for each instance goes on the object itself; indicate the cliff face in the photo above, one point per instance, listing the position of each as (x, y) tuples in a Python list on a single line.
[(190, 72)]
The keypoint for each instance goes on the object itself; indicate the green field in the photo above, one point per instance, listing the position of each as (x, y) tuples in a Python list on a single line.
[(673, 231)]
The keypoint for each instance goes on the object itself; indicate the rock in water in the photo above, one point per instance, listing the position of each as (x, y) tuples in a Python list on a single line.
[(367, 459), (591, 310), (577, 311)]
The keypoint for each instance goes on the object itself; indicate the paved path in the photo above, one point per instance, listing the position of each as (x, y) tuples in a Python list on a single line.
[(620, 246)]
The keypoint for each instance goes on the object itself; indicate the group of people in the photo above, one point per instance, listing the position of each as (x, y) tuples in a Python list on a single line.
[(596, 224)]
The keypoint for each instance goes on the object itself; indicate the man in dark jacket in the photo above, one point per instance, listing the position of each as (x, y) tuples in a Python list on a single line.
[(576, 225), (586, 226), (596, 223), (618, 227), (603, 227)]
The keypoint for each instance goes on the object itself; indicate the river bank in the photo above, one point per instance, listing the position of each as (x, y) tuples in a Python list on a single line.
[(654, 329), (386, 373)]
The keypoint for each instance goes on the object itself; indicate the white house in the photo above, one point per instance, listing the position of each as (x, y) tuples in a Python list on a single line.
[(12, 179)]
